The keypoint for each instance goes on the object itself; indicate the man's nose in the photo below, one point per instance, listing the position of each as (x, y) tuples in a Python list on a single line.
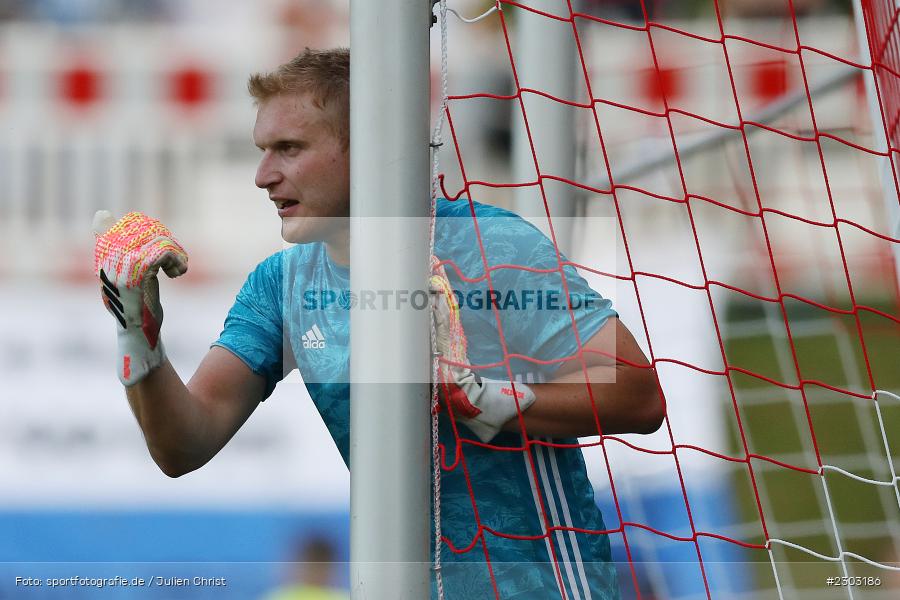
[(267, 173)]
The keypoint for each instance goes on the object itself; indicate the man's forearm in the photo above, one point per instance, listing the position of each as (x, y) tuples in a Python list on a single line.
[(625, 400), (173, 421)]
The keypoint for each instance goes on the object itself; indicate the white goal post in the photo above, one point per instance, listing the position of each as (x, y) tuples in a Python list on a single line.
[(390, 187)]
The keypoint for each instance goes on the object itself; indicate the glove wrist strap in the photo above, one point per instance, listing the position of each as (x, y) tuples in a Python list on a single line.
[(136, 362)]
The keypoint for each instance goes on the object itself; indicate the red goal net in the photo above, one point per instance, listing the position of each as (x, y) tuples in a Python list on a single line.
[(748, 169)]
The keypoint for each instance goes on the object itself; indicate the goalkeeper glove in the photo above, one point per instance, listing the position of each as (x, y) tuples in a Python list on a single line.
[(484, 405), (127, 256)]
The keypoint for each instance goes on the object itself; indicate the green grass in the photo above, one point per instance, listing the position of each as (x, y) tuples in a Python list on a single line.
[(794, 426)]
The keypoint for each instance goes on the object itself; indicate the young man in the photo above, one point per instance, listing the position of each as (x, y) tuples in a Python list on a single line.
[(510, 509)]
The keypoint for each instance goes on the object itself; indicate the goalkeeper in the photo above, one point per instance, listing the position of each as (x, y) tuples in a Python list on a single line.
[(536, 498)]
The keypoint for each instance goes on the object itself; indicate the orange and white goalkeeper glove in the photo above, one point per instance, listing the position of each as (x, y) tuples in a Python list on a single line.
[(483, 405), (128, 254)]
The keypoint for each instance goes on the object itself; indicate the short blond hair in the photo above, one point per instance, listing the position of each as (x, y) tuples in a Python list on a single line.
[(322, 74)]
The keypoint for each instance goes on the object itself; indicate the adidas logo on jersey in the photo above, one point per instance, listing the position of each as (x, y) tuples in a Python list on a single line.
[(313, 338)]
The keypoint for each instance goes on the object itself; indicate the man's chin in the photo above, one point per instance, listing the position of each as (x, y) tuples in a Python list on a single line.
[(305, 230), (294, 235), (291, 238), (297, 231)]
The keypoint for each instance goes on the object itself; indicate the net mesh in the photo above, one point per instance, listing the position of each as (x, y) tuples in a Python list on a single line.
[(755, 198)]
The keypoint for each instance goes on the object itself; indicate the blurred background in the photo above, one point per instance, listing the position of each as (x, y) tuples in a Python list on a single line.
[(130, 105)]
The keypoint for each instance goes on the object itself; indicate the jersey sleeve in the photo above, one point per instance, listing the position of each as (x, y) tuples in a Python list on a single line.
[(541, 326), (254, 330)]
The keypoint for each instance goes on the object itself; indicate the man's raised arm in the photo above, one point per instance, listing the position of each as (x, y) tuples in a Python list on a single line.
[(184, 425)]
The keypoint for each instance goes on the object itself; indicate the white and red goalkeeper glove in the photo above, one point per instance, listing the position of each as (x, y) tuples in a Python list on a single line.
[(127, 256), (483, 405)]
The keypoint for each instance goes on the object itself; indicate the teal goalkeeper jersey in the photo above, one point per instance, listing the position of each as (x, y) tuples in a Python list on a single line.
[(509, 517)]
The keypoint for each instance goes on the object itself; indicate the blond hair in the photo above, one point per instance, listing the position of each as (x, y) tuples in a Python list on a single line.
[(322, 74)]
